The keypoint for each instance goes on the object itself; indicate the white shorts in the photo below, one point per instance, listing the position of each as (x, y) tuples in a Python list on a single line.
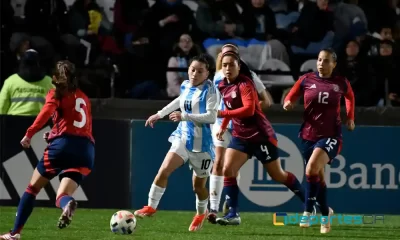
[(200, 162), (227, 137)]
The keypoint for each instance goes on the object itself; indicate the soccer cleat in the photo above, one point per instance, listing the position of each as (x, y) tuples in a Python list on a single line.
[(8, 236), (231, 218), (326, 227), (305, 223), (146, 211), (198, 221), (67, 214), (212, 216)]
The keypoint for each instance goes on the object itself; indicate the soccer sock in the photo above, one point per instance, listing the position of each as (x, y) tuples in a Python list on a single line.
[(63, 200), (201, 205), (155, 196), (322, 199), (311, 192), (25, 208), (232, 192), (216, 187), (294, 185)]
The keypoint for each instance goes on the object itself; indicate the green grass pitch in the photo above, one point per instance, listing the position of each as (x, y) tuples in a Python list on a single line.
[(94, 225)]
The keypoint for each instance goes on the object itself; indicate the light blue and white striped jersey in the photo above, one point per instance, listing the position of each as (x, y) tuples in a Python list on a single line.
[(218, 77), (196, 100)]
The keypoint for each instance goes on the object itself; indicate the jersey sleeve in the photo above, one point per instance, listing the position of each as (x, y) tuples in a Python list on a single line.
[(295, 91), (47, 111), (5, 98), (248, 94), (211, 107), (172, 106), (350, 101), (260, 87)]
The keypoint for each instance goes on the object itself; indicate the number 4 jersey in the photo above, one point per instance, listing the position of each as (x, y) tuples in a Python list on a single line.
[(71, 115), (322, 98)]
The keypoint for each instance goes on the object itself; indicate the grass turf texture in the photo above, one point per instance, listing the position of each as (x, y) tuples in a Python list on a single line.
[(94, 225)]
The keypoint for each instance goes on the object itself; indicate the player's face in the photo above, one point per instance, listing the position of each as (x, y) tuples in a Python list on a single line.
[(325, 63), (230, 67), (198, 73)]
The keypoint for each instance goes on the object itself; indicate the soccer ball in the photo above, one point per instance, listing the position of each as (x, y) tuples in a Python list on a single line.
[(123, 222)]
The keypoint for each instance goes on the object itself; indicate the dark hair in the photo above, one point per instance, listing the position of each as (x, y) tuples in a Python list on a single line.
[(231, 45), (244, 69), (233, 54), (331, 52), (203, 58), (64, 78)]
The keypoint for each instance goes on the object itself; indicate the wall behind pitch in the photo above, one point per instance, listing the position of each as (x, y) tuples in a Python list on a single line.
[(364, 178)]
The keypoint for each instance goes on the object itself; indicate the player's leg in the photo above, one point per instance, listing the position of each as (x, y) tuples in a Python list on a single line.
[(43, 173), (275, 171), (217, 178), (201, 164), (326, 211), (236, 155), (176, 157), (64, 200)]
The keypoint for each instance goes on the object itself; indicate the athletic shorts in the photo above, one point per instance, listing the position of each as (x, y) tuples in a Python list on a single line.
[(332, 146), (227, 136), (67, 156), (200, 162), (265, 151)]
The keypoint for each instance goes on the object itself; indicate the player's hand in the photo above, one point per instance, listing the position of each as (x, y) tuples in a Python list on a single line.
[(151, 120), (220, 134), (175, 116), (26, 142), (288, 106), (46, 136), (350, 125)]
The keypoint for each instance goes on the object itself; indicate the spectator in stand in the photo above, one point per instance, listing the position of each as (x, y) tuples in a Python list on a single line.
[(183, 51), (128, 17), (371, 43), (168, 20), (358, 70), (219, 19), (315, 20), (24, 93)]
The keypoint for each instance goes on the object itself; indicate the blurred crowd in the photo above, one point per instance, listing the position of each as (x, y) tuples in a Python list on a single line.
[(144, 38)]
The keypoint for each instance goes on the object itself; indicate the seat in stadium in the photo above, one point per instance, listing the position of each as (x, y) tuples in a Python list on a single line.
[(313, 48), (283, 20), (282, 80), (309, 65)]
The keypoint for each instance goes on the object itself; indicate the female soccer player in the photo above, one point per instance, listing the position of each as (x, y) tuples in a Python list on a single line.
[(70, 152), (321, 130), (191, 141), (252, 135), (216, 178)]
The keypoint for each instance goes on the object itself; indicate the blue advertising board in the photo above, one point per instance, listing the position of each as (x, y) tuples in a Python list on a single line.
[(363, 179)]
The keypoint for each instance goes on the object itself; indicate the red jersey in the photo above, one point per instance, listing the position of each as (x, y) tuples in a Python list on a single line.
[(322, 98), (248, 120), (71, 116)]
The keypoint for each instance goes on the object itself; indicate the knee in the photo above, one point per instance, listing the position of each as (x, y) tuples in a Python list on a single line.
[(228, 171), (312, 168), (199, 189), (218, 166)]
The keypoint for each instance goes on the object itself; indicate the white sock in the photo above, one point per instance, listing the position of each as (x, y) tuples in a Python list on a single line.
[(155, 196), (216, 187), (201, 205)]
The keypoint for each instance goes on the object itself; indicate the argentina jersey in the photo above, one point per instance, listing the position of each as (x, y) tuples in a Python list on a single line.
[(196, 100), (219, 76)]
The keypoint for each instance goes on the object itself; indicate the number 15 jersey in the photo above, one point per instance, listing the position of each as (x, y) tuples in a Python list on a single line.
[(71, 115)]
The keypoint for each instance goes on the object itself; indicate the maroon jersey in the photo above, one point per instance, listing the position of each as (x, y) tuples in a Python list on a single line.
[(322, 98), (241, 100), (71, 116)]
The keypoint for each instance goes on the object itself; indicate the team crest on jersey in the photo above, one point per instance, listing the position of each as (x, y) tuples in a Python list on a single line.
[(233, 94), (335, 87)]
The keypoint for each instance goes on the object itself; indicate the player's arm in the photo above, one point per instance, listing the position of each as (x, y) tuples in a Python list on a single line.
[(264, 96), (172, 106), (45, 113), (350, 101), (248, 94), (211, 107), (295, 91), (5, 98)]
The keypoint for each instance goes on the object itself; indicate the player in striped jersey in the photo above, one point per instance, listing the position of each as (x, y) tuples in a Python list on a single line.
[(191, 141), (216, 178)]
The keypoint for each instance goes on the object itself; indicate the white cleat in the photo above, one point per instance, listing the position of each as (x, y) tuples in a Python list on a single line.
[(305, 221), (326, 222)]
